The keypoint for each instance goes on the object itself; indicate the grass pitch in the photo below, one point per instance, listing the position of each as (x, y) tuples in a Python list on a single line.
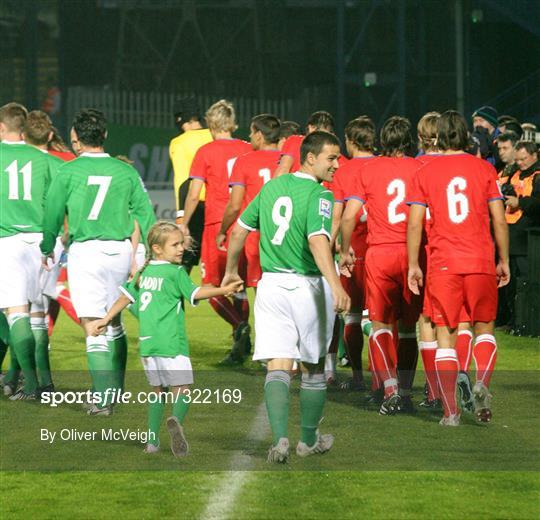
[(391, 467)]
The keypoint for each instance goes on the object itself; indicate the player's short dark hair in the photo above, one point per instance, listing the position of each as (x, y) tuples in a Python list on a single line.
[(13, 115), (321, 120), (529, 146), (268, 125), (37, 128), (288, 128), (508, 136), (396, 136), (452, 131), (90, 126), (186, 110), (361, 132), (315, 142)]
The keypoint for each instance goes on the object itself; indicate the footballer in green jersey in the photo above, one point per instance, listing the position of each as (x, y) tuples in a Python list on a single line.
[(24, 181), (299, 292), (102, 197), (159, 291)]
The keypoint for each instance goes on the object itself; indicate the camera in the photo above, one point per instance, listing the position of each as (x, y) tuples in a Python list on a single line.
[(532, 136), (508, 190)]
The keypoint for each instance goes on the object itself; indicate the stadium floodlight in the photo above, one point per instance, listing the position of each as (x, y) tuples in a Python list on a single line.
[(370, 79)]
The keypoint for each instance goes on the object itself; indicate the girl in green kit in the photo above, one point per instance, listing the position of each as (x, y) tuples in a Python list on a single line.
[(158, 290)]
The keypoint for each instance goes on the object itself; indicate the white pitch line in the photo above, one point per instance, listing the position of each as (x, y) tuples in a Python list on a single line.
[(222, 500)]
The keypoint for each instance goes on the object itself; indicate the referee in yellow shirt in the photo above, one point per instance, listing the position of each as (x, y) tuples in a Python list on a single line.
[(182, 149)]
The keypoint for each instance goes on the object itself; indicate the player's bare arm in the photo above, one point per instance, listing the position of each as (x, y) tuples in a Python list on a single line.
[(236, 244), (500, 231), (285, 165), (226, 290), (231, 214), (97, 327), (322, 254), (337, 212), (134, 239), (415, 277), (348, 223)]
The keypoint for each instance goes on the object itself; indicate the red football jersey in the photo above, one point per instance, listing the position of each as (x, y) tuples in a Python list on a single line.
[(457, 189), (343, 180), (253, 170), (382, 186), (423, 160), (65, 156), (291, 147), (213, 163)]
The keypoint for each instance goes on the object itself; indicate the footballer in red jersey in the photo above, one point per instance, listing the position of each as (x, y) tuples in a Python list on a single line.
[(212, 167), (250, 173), (462, 194), (290, 152), (360, 143), (382, 186)]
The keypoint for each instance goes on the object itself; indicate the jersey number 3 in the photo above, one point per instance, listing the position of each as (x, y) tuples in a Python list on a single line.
[(103, 183)]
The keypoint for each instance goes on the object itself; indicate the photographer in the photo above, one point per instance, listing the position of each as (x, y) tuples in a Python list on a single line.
[(506, 143), (522, 194), (485, 124)]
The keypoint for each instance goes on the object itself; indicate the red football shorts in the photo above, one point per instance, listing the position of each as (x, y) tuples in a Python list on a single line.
[(214, 261), (355, 285), (388, 297), (427, 309), (463, 297), (253, 260)]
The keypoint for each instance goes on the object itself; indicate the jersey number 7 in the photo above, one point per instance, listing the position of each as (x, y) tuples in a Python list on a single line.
[(103, 183)]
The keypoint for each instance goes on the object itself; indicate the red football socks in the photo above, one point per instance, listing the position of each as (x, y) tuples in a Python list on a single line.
[(485, 356), (446, 365), (464, 349)]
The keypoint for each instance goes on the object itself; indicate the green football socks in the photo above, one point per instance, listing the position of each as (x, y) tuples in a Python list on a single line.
[(276, 395), (41, 338), (24, 346), (312, 399), (181, 407), (99, 358), (155, 416)]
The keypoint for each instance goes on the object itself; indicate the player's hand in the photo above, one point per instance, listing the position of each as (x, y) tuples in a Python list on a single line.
[(97, 327), (342, 302), (503, 274), (188, 239), (45, 261), (220, 241), (346, 263), (415, 279), (511, 202), (231, 278), (233, 287)]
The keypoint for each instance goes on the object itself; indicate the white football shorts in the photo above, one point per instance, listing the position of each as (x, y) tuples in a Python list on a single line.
[(294, 317), (167, 371), (96, 268), (49, 278), (20, 268)]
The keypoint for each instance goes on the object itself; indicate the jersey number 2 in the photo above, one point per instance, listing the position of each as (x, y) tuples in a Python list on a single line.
[(103, 183), (281, 215), (397, 188), (13, 172)]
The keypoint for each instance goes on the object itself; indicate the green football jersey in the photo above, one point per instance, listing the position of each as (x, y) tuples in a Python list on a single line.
[(288, 211), (24, 180), (54, 164), (100, 194), (159, 299)]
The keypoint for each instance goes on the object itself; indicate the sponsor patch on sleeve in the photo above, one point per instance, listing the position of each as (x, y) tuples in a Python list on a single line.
[(325, 208)]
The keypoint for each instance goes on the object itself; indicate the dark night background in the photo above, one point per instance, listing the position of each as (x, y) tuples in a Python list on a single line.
[(276, 49)]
